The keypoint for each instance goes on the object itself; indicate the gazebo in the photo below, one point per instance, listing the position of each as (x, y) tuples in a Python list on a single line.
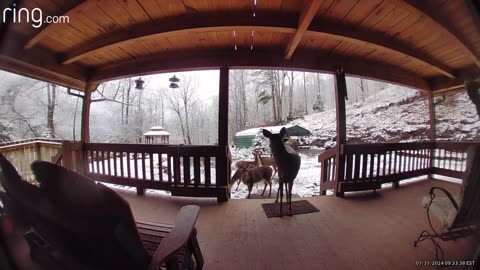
[(156, 135)]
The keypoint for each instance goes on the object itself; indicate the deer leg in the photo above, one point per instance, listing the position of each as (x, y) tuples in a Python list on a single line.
[(290, 186), (270, 191), (265, 188), (238, 184), (281, 199), (250, 186)]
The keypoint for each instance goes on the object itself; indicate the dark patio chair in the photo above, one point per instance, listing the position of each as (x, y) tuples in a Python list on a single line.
[(459, 215), (71, 222)]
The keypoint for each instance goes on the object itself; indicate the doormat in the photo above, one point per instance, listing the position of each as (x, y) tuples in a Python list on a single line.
[(298, 208)]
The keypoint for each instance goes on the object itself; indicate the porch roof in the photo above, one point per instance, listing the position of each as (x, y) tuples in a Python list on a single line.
[(429, 45)]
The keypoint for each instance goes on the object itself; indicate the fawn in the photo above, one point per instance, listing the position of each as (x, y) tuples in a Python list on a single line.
[(250, 176), (265, 161), (237, 175), (288, 163)]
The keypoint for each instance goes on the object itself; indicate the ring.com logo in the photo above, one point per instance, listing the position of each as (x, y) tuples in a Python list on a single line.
[(35, 16)]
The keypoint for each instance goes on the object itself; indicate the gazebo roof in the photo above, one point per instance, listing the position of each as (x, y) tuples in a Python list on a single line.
[(428, 44), (157, 131)]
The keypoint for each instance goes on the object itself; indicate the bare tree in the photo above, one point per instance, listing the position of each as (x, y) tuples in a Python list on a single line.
[(51, 101)]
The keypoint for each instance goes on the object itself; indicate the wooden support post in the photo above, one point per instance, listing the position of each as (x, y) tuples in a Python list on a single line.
[(340, 96), (223, 107), (222, 166), (432, 130)]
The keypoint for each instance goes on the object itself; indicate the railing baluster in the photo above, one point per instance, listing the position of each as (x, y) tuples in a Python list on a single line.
[(356, 172), (121, 165), (115, 169), (152, 175), (144, 177), (135, 167), (348, 169), (129, 170), (208, 175), (196, 170), (186, 170), (160, 167), (364, 166), (384, 157), (109, 163), (169, 169)]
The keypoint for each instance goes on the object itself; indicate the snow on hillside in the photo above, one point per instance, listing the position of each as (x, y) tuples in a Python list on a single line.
[(457, 118), (392, 115)]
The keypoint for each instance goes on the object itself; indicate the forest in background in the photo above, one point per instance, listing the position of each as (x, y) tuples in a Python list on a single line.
[(121, 114)]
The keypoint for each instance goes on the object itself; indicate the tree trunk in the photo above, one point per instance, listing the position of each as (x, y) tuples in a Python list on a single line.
[(189, 140), (75, 119), (128, 103), (51, 108), (274, 98)]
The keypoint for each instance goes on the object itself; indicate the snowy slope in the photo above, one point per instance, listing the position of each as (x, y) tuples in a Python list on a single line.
[(396, 115)]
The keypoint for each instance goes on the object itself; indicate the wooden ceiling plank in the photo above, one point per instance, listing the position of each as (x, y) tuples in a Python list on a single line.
[(306, 16), (44, 31), (438, 22), (361, 11)]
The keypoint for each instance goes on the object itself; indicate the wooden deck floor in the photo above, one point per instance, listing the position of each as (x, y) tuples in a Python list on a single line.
[(356, 232)]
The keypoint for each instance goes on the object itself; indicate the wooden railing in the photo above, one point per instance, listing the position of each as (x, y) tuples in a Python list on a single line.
[(450, 159), (327, 170), (22, 153), (368, 166), (200, 171)]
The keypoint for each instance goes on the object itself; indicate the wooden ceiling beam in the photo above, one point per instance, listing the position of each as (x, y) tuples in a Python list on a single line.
[(437, 21), (306, 16), (263, 22), (441, 84), (46, 29), (39, 63), (302, 60), (187, 23), (377, 41)]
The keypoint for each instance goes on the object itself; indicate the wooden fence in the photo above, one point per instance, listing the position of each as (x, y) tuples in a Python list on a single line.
[(22, 153), (368, 166)]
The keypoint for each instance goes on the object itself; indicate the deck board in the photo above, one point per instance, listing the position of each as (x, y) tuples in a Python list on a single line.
[(362, 231)]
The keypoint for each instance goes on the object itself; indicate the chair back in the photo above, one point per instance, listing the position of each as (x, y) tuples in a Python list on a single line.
[(469, 207), (100, 223)]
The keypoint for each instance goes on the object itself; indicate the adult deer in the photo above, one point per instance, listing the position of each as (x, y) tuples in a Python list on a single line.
[(288, 164), (265, 161)]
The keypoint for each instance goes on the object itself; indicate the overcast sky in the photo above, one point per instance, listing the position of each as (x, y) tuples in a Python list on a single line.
[(207, 81)]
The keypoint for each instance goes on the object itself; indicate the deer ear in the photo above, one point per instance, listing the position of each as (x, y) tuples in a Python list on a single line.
[(283, 132), (266, 133)]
